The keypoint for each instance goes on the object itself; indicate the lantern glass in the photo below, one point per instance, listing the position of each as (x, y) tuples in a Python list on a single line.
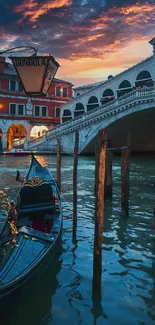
[(35, 73)]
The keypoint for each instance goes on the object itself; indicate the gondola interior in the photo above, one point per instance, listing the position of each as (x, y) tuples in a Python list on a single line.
[(38, 204)]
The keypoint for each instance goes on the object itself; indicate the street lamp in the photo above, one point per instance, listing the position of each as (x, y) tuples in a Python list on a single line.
[(35, 72)]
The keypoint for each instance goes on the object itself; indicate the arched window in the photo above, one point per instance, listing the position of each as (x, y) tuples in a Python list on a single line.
[(92, 103), (12, 85), (79, 109), (124, 88), (144, 79), (107, 96), (66, 115), (38, 130)]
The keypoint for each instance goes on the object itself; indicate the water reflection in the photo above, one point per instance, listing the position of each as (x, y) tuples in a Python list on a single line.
[(65, 295), (34, 304)]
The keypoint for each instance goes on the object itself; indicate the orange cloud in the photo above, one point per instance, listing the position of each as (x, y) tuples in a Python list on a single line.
[(32, 10), (95, 37), (78, 41), (132, 15)]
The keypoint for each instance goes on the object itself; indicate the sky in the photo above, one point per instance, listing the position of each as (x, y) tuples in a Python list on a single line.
[(91, 39)]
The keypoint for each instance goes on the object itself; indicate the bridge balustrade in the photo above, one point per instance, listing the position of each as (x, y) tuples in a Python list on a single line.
[(104, 110)]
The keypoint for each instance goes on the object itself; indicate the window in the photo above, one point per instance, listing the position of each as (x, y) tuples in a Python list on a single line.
[(44, 111), (20, 109), (12, 85), (20, 87), (58, 91), (65, 92), (57, 112), (12, 109), (36, 110)]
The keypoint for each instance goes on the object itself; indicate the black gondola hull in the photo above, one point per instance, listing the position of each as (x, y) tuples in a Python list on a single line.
[(34, 250)]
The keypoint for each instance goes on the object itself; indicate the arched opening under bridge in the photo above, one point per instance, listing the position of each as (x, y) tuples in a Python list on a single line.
[(38, 131), (139, 124), (16, 135)]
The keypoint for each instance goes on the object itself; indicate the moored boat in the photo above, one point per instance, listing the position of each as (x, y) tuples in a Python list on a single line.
[(36, 236), (17, 152)]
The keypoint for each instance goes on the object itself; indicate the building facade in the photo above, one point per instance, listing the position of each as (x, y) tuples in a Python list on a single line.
[(22, 117)]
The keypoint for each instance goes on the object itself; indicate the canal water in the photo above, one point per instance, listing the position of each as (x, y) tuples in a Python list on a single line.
[(63, 295)]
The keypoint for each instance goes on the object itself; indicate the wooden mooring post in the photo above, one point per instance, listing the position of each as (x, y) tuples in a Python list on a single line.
[(59, 165), (108, 174), (76, 152), (99, 210), (125, 161)]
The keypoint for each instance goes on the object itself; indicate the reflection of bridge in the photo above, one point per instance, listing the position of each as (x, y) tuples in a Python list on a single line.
[(131, 91)]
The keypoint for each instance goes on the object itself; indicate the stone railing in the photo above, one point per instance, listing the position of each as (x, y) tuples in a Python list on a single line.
[(103, 110)]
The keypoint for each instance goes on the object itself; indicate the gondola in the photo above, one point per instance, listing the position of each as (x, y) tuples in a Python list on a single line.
[(38, 230)]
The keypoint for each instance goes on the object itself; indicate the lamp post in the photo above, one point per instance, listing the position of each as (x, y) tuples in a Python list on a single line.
[(35, 72)]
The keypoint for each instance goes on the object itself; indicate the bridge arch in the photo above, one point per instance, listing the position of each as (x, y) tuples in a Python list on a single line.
[(124, 88), (92, 103), (16, 135), (144, 78), (111, 118), (79, 109), (67, 115)]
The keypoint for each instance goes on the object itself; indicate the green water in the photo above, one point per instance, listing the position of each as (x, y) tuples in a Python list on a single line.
[(63, 295)]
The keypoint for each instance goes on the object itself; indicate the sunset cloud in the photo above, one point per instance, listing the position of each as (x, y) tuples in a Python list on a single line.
[(32, 10), (86, 35)]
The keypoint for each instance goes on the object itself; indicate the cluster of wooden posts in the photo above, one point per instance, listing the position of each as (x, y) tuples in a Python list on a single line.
[(103, 189)]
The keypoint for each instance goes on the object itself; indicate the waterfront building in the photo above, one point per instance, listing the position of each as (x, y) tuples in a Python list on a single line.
[(22, 117)]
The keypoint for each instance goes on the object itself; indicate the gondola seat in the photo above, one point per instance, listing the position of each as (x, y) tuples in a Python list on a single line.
[(36, 199)]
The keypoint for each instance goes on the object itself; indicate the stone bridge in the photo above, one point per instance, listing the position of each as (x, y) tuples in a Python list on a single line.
[(124, 101), (91, 122)]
